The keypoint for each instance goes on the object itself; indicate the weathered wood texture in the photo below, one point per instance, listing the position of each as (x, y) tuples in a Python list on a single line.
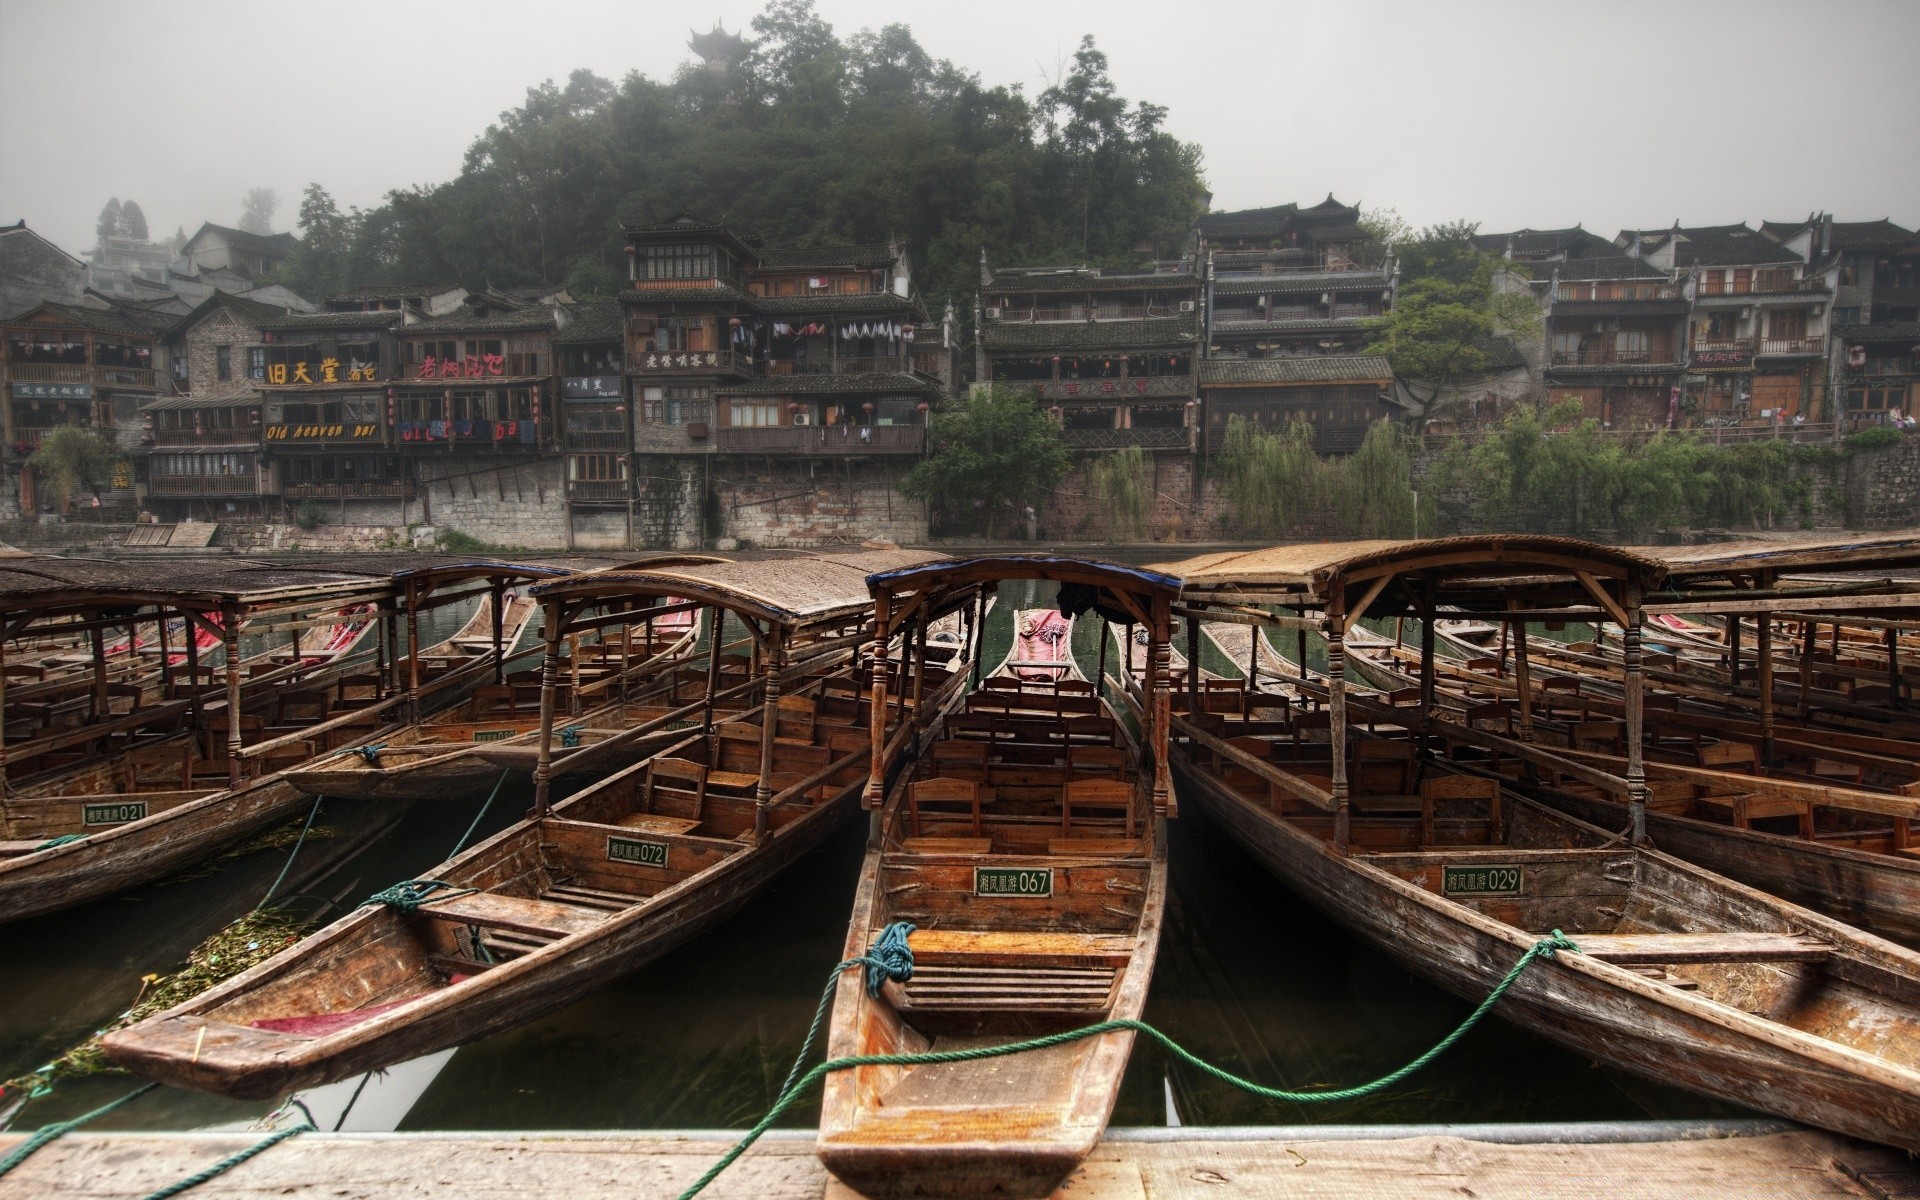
[(1807, 1164)]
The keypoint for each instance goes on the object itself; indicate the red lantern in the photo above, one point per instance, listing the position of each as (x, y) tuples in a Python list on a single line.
[(867, 407), (920, 407)]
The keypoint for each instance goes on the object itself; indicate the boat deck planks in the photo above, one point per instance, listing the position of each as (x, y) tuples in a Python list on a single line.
[(603, 1166)]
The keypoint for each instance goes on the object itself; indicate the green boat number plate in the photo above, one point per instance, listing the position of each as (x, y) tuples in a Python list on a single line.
[(112, 814), (1480, 881), (1012, 881), (491, 735), (633, 850)]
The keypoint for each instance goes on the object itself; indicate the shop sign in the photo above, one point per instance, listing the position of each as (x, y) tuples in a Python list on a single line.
[(593, 387), (53, 391), (1722, 358), (473, 366), (667, 362), (356, 372)]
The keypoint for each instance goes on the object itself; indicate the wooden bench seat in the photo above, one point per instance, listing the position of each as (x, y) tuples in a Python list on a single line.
[(1660, 948), (655, 823), (947, 845), (515, 914), (1083, 847), (974, 989), (942, 946)]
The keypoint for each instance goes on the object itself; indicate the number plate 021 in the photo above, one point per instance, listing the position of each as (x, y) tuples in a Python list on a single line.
[(112, 814)]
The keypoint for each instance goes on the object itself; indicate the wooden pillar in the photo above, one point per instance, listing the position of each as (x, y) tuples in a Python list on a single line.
[(876, 792), (98, 637), (1253, 659), (1893, 668), (977, 636), (1506, 637), (193, 670), (716, 637), (1522, 678), (230, 617), (390, 631), (1127, 650), (1733, 650), (1337, 721), (1193, 667), (906, 654), (1808, 634), (1160, 718), (549, 680), (293, 647), (626, 652), (1300, 648), (920, 669), (1635, 694), (1426, 649), (1763, 647), (771, 663), (166, 657), (413, 654), (1100, 662), (499, 632)]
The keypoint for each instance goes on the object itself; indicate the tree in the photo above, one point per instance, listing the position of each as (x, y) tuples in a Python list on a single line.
[(256, 211), (178, 241), (133, 222), (1448, 312), (72, 457), (993, 451), (109, 223), (319, 263)]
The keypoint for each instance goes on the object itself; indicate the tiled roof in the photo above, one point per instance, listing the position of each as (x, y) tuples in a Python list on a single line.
[(1301, 281), (1317, 325), (1090, 281), (1880, 332), (1091, 335), (519, 320), (1246, 221), (313, 322), (790, 257), (865, 384), (392, 291), (724, 293), (251, 310), (877, 303), (1314, 368), (1871, 235), (1721, 246), (599, 321), (682, 220), (98, 320), (273, 245), (1582, 269), (1504, 355)]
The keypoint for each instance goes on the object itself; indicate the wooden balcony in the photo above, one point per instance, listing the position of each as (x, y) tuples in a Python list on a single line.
[(103, 376), (1612, 358), (1116, 389), (597, 439), (350, 489), (204, 485), (822, 440), (1175, 438), (1815, 344), (598, 491), (884, 364), (245, 435)]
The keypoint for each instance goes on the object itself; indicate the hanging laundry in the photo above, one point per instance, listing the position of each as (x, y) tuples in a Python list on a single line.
[(906, 333)]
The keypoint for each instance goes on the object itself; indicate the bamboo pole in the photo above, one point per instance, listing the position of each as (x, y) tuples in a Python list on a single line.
[(193, 670), (549, 679), (1337, 726), (499, 632), (1809, 634), (772, 661), (230, 618), (1523, 679), (98, 637), (1763, 645), (1636, 714), (413, 654), (716, 636)]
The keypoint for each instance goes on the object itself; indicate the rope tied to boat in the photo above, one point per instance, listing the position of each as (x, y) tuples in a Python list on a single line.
[(570, 736), (792, 1090), (65, 839), (409, 894), (306, 1125), (370, 754), (47, 1133)]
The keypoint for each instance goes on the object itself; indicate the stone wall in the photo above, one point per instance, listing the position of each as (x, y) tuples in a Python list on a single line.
[(1174, 511), (323, 539), (1883, 487), (503, 502), (770, 503)]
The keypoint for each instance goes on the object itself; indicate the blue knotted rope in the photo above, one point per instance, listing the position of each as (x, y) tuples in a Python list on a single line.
[(62, 840), (409, 894), (370, 753), (570, 736)]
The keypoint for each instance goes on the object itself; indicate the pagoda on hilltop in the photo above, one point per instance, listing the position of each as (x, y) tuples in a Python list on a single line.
[(717, 48)]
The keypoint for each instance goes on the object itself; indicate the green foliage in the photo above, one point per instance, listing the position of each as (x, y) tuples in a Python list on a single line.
[(1874, 437), (1448, 313), (812, 138), (309, 515), (257, 209), (1119, 484), (452, 541), (133, 221), (72, 457), (109, 223), (1554, 471), (993, 451), (1275, 485)]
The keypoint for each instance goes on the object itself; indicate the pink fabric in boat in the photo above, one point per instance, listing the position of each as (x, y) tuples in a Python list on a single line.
[(321, 1024), (1043, 637)]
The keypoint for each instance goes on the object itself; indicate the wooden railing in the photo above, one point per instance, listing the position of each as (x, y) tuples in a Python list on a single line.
[(32, 372), (351, 489), (1792, 345), (243, 435), (204, 485), (597, 439), (598, 489), (1175, 438), (822, 439), (1117, 388)]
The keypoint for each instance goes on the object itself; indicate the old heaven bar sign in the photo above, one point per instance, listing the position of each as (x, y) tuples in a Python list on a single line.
[(1012, 881)]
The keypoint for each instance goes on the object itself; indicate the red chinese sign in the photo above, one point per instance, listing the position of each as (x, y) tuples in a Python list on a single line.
[(473, 366)]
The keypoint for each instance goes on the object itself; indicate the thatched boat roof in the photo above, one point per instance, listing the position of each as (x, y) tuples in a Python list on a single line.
[(791, 590)]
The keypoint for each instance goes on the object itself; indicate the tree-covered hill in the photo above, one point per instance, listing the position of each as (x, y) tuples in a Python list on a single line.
[(808, 137)]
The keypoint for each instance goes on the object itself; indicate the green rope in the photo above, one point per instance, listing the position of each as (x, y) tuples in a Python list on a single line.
[(50, 1132), (459, 845), (409, 894), (570, 736), (62, 840), (789, 1095), (298, 842), (233, 1160), (370, 753)]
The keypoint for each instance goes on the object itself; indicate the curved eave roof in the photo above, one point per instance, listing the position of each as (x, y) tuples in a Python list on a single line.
[(941, 579), (1896, 550), (802, 589)]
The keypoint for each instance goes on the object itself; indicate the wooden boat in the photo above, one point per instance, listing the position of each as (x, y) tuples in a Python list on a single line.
[(1682, 975), (1027, 844), (584, 891)]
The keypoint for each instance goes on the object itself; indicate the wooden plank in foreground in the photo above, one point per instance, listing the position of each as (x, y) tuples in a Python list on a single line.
[(112, 1166)]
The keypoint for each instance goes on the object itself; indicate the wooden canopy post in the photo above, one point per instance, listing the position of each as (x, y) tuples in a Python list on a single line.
[(293, 648), (413, 653), (1300, 648), (1426, 649), (1893, 668), (193, 669), (920, 668), (876, 792), (549, 680), (977, 635), (716, 637), (230, 635), (1193, 665), (1522, 674), (1128, 648), (771, 663), (1159, 659), (1763, 647), (1808, 634), (1635, 695), (4, 788), (906, 654), (1337, 720), (166, 656), (98, 637), (1100, 662), (390, 632), (1253, 660), (1506, 638), (1733, 649), (499, 632)]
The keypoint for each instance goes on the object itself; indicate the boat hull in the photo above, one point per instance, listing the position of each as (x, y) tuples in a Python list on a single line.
[(1591, 1008)]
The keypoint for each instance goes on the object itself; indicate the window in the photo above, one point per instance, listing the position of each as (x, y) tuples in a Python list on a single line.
[(1774, 279), (597, 468), (1742, 279), (677, 262), (1632, 345), (1850, 271), (223, 363), (1712, 283), (749, 413), (686, 405), (1568, 343), (1847, 316), (1787, 323), (256, 362), (1723, 326)]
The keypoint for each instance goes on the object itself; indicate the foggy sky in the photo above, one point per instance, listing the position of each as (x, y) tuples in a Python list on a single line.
[(1514, 114)]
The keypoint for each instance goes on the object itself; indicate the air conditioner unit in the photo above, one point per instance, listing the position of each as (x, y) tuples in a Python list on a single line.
[(993, 314), (1186, 306)]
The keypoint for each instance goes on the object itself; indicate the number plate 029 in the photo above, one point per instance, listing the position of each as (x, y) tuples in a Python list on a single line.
[(632, 850), (1480, 881), (1012, 881)]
